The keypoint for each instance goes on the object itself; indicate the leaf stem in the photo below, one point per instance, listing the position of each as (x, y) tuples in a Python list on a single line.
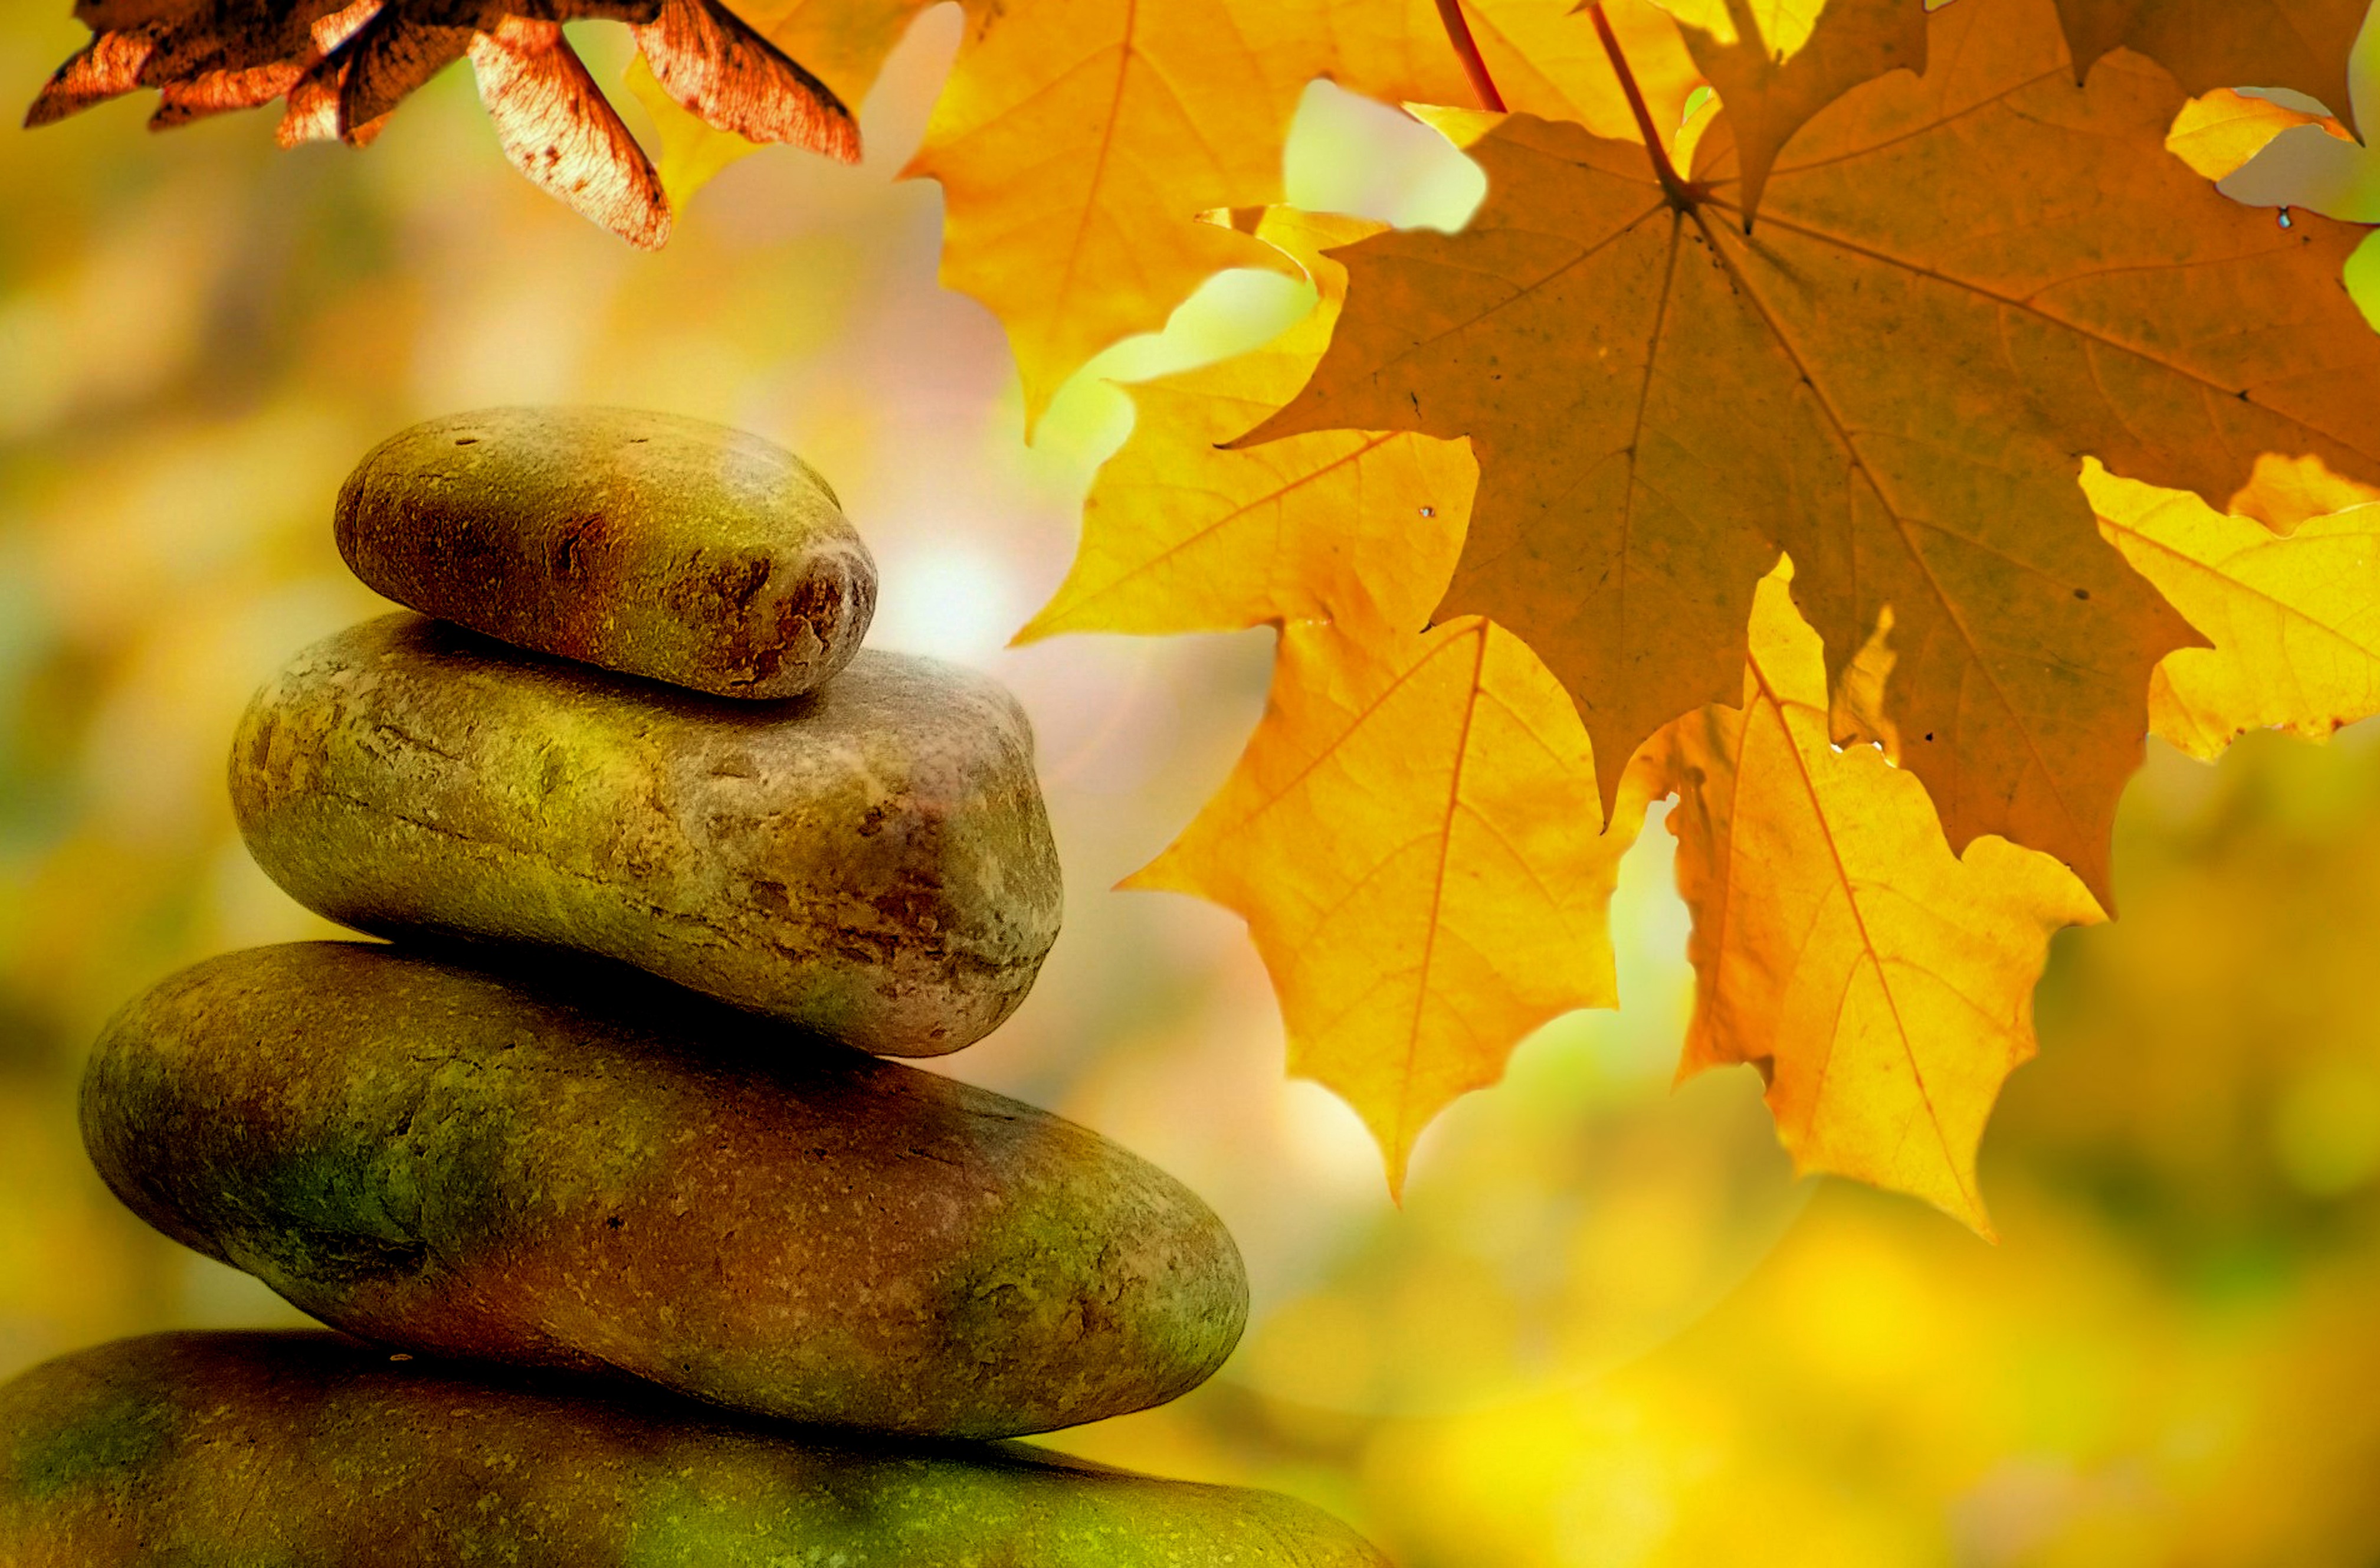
[(1466, 49), (1681, 193)]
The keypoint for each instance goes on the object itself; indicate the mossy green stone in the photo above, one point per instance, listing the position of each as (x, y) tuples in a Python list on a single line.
[(649, 543), (262, 1450), (871, 860), (587, 1171)]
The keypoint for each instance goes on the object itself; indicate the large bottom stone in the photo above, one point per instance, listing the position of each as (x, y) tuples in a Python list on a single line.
[(277, 1451), (592, 1172)]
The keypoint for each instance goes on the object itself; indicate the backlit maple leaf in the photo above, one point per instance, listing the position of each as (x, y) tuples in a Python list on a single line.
[(1183, 534), (1957, 284), (1776, 63), (2292, 613), (1883, 984), (343, 68), (1412, 836)]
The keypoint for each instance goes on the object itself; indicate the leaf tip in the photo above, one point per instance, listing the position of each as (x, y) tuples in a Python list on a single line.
[(1465, 127), (1160, 875)]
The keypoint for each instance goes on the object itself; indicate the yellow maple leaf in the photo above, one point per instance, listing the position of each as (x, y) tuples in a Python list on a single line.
[(1411, 838), (843, 42), (1892, 391), (1077, 140), (2219, 131), (1181, 534), (2294, 617), (1883, 983), (1546, 60)]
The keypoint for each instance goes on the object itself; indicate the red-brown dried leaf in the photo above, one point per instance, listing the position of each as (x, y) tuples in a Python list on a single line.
[(114, 15), (108, 66), (234, 35), (343, 67), (719, 69), (222, 92), (198, 46), (557, 128), (331, 30), (311, 110), (396, 52)]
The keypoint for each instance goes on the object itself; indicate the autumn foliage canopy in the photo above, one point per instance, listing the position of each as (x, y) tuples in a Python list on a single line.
[(1867, 454)]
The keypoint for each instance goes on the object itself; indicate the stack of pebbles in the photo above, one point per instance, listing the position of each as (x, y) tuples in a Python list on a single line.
[(646, 1255)]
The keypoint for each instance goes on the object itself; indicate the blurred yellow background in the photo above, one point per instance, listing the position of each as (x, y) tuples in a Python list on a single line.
[(1608, 1328)]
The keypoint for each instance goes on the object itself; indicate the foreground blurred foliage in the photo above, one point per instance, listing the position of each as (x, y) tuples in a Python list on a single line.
[(2168, 1358), (1607, 1328)]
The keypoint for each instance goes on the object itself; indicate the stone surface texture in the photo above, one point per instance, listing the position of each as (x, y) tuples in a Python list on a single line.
[(309, 1450), (636, 1180), (871, 860), (649, 543)]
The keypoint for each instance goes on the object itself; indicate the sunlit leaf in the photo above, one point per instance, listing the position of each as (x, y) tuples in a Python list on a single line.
[(2217, 133), (1411, 837), (1957, 284), (1183, 533), (2294, 616), (1883, 984)]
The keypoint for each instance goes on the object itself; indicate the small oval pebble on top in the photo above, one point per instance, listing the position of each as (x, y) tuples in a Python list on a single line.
[(648, 543)]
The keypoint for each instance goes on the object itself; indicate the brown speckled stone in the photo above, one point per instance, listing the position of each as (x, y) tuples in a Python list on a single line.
[(633, 1179), (870, 861), (308, 1450), (650, 543)]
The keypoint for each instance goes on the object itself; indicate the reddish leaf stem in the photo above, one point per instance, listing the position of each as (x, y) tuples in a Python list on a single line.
[(1466, 49), (1655, 142)]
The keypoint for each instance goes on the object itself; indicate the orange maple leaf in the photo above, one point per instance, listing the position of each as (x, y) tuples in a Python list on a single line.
[(2298, 45), (1957, 283), (1776, 63)]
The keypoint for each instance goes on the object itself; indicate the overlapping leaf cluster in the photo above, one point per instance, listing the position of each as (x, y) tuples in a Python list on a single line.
[(1869, 469), (1858, 483)]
